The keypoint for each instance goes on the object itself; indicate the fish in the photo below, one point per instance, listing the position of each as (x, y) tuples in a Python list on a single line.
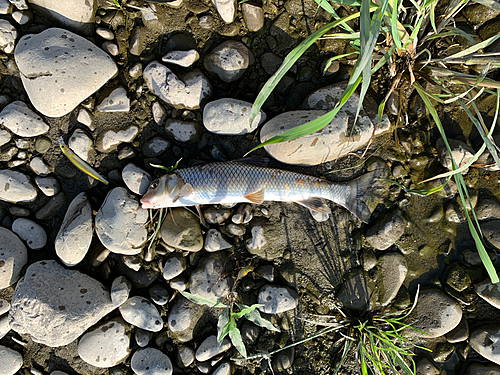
[(80, 163), (236, 182)]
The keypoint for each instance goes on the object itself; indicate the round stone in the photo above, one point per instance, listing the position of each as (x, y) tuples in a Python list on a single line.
[(11, 361), (16, 187), (141, 313), (13, 257), (483, 340), (174, 266), (210, 347), (22, 121), (208, 279), (229, 60), (8, 35), (48, 185), (150, 361), (34, 235), (183, 317), (277, 299), (120, 290), (181, 230), (136, 179), (230, 117)]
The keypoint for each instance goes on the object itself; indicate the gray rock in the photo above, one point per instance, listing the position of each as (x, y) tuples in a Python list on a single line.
[(5, 137), (155, 147), (159, 113), (13, 257), (69, 78), (183, 131), (11, 361), (142, 337), (187, 93), (84, 118), (55, 315), (136, 179), (111, 139), (490, 229), (183, 317), (392, 270), (120, 223), (181, 230), (105, 33), (4, 306), (253, 16), (159, 294), (111, 48), (4, 326), (426, 367), (22, 121), (116, 101), (249, 332), (230, 117), (81, 144), (8, 35), (182, 58), (34, 235), (120, 290), (215, 215), (226, 9), (135, 70), (355, 291), (435, 314), (5, 7), (77, 15), (106, 345), (174, 266), (48, 185), (461, 152), (457, 277), (487, 208), (277, 299), (141, 313), (483, 340), (75, 234), (185, 355), (20, 4), (215, 242), (210, 348), (208, 279), (137, 40), (51, 207), (459, 333), (150, 361), (477, 368), (38, 165), (229, 60), (22, 17), (489, 292), (179, 283), (385, 231)]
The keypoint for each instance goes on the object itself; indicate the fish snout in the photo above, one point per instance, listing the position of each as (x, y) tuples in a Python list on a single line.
[(146, 204)]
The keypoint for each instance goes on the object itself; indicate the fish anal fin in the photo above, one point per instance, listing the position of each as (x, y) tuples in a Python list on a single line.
[(315, 204), (255, 197), (184, 191)]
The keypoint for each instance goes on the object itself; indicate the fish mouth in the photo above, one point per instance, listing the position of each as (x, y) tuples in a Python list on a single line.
[(147, 204)]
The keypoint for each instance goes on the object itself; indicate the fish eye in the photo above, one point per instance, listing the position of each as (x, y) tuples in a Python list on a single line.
[(154, 184)]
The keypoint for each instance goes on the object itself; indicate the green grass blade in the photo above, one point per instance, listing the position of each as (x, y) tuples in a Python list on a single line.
[(421, 192), (326, 6), (473, 48), (223, 325), (394, 24), (347, 346), (196, 298)]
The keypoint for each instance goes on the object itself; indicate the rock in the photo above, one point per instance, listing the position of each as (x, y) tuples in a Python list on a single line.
[(392, 270), (159, 294), (179, 283), (150, 361), (355, 291), (105, 33), (187, 93), (226, 9), (215, 215), (155, 147), (55, 315), (159, 113), (84, 118), (141, 313), (111, 48), (8, 35), (137, 40), (22, 17), (182, 58), (77, 15), (476, 368), (483, 340), (120, 223), (457, 277), (111, 139), (5, 137), (51, 207), (5, 7), (142, 337), (271, 62), (75, 234), (13, 257), (4, 306), (15, 187), (265, 239), (69, 77), (136, 179), (385, 231), (135, 70), (11, 362), (4, 327), (39, 166), (487, 208), (461, 152), (426, 367), (48, 185), (105, 345), (210, 348), (459, 333), (116, 101), (183, 317), (120, 290), (185, 355), (208, 279), (81, 144), (253, 16), (19, 4), (183, 131), (230, 117), (489, 292), (277, 299), (489, 228), (34, 235), (215, 242), (181, 229), (435, 314), (22, 121), (229, 60), (174, 266)]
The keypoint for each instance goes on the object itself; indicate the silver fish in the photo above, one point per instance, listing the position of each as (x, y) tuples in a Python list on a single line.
[(235, 182)]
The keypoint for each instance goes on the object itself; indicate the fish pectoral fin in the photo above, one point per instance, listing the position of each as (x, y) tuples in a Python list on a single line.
[(256, 196), (315, 204), (184, 191)]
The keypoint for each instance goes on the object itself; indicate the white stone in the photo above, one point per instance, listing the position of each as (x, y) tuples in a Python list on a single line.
[(16, 187), (13, 257), (8, 35), (489, 292), (4, 326), (81, 144), (120, 223), (38, 165), (223, 369), (84, 118), (111, 139), (4, 306), (208, 280), (19, 4), (136, 179), (75, 234), (116, 101), (226, 9), (174, 266), (141, 313), (175, 3), (215, 242), (182, 58), (135, 70), (229, 60), (34, 235), (392, 273), (67, 66), (111, 48), (277, 299), (168, 87), (56, 313), (5, 137), (183, 131), (230, 117), (105, 33), (210, 347), (74, 14), (150, 361), (22, 121), (11, 361), (253, 16), (5, 7), (159, 113), (105, 345), (120, 290), (48, 185), (183, 317), (484, 340), (185, 355), (22, 18), (155, 146)]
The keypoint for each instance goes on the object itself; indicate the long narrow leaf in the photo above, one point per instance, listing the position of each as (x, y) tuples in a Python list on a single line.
[(196, 298)]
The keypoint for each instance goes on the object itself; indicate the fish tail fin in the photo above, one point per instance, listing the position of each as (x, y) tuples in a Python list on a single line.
[(355, 194)]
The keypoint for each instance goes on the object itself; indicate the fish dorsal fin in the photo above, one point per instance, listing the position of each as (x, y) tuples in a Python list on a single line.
[(315, 204), (256, 196), (184, 191), (258, 162)]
